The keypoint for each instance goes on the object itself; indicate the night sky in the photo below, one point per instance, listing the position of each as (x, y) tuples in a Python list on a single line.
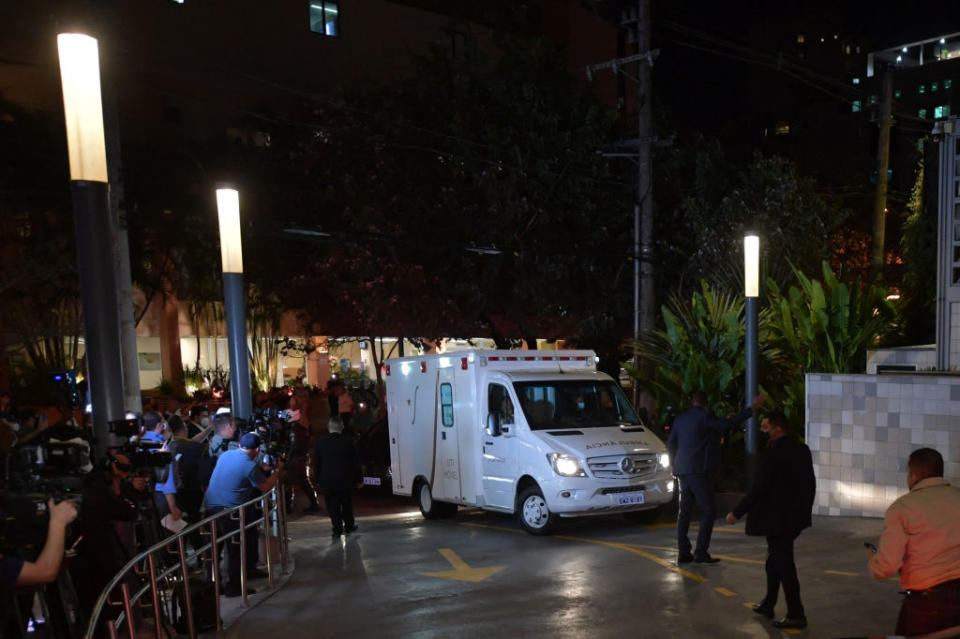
[(702, 90)]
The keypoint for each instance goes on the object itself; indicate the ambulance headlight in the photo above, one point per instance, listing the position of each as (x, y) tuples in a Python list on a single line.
[(566, 465), (664, 460)]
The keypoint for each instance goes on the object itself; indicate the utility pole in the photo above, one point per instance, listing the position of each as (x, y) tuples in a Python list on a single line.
[(883, 164), (644, 195), (644, 299)]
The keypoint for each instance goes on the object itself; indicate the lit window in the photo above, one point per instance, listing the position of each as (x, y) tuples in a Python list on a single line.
[(856, 80), (947, 84), (922, 113), (783, 128), (856, 106), (846, 49), (922, 89), (800, 39), (941, 111), (934, 87), (325, 17), (897, 93), (873, 99), (858, 48)]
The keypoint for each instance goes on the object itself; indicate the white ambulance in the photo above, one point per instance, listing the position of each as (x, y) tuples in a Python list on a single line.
[(541, 434)]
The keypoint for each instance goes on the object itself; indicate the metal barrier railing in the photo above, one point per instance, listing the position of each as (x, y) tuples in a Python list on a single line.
[(161, 580)]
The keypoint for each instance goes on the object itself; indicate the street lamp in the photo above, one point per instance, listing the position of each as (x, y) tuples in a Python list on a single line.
[(234, 299), (751, 285), (90, 191)]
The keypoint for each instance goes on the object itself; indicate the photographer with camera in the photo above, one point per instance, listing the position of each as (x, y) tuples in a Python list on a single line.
[(17, 572), (165, 492), (187, 453), (298, 471), (114, 496), (236, 479)]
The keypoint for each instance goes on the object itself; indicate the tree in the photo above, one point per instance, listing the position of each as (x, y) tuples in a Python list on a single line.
[(470, 199), (918, 299), (714, 203)]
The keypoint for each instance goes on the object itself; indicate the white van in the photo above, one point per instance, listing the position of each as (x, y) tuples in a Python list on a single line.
[(539, 433)]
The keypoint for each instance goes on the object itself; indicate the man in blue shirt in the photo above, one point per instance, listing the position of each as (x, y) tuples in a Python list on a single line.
[(236, 479), (165, 492)]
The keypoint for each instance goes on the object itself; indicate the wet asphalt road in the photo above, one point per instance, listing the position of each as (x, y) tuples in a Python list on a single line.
[(479, 575)]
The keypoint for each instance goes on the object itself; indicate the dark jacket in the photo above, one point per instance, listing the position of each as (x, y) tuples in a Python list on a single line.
[(336, 462), (694, 438), (781, 498)]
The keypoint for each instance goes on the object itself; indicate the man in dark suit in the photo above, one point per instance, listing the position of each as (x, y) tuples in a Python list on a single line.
[(694, 455), (336, 464), (778, 507)]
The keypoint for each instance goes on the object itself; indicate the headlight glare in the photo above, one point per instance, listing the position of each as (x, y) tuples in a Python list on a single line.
[(664, 460), (566, 465)]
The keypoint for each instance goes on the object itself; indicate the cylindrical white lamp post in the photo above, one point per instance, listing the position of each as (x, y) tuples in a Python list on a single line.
[(83, 112), (234, 299), (751, 281)]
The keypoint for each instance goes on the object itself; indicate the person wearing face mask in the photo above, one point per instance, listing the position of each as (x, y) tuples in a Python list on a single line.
[(199, 424), (778, 507)]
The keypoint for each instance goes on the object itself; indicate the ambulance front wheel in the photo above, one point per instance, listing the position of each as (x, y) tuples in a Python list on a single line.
[(429, 508), (533, 513)]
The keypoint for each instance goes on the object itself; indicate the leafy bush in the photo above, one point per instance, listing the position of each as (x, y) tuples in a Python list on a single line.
[(821, 327)]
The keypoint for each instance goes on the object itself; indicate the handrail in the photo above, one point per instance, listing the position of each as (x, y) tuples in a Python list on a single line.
[(272, 504)]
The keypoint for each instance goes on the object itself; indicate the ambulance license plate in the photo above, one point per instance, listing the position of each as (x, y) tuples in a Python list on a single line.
[(371, 481), (627, 499)]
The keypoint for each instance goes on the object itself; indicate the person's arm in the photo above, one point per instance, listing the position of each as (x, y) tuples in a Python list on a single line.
[(202, 435), (719, 423), (42, 424), (269, 482), (45, 569), (892, 547)]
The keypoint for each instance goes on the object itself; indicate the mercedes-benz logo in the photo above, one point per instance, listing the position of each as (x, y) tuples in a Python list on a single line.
[(626, 465)]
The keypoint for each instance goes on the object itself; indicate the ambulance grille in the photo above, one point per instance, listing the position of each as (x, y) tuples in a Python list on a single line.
[(612, 466)]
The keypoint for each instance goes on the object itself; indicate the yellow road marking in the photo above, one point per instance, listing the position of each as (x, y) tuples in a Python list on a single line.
[(749, 604), (461, 571), (842, 573), (724, 557), (792, 631), (610, 544), (724, 591)]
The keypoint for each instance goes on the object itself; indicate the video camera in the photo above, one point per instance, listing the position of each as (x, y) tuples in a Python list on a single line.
[(276, 435)]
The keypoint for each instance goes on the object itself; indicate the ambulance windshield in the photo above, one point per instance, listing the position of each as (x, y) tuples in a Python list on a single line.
[(574, 404)]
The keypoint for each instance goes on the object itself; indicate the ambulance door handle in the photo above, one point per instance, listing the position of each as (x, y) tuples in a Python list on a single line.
[(488, 443), (443, 436)]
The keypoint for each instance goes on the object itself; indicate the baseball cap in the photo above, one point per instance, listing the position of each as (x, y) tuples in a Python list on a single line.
[(250, 441)]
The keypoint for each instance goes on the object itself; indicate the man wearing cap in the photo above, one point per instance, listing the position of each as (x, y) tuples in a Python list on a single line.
[(236, 479)]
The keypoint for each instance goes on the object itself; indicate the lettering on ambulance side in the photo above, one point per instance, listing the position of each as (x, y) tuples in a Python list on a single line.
[(622, 442)]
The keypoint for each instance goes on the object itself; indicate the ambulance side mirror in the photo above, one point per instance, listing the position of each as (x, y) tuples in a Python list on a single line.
[(493, 424)]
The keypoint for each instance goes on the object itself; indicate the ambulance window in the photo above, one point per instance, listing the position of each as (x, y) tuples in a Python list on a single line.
[(500, 403), (446, 404)]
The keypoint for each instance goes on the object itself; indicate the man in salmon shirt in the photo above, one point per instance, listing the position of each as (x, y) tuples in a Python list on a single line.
[(921, 539)]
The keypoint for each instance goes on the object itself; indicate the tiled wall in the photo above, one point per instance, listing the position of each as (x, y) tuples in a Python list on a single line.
[(921, 358), (862, 428)]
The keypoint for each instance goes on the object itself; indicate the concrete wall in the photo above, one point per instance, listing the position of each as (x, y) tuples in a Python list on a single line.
[(862, 428)]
